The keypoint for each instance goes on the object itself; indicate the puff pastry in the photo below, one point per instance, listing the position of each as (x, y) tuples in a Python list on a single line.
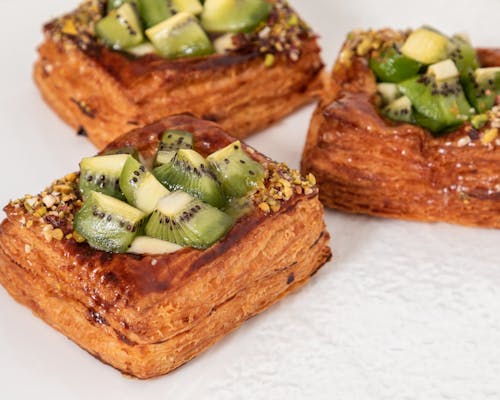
[(103, 93), (147, 315), (367, 164)]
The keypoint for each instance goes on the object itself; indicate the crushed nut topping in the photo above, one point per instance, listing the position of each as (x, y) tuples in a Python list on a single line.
[(279, 185), (362, 42), (282, 33), (53, 209)]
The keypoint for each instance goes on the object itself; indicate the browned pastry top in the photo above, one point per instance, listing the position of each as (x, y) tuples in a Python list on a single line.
[(126, 279), (365, 163)]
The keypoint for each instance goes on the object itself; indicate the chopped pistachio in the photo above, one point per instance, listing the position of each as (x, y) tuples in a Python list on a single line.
[(478, 121), (489, 135), (269, 60), (57, 234)]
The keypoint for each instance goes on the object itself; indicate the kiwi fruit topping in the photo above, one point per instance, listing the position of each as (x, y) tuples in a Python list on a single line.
[(152, 246), (237, 172), (392, 66), (140, 187), (108, 224), (438, 98), (222, 16), (463, 55), (482, 88), (388, 92), (426, 46), (154, 11), (123, 150), (191, 6), (112, 4), (190, 172), (180, 36), (399, 110), (102, 174), (187, 221), (141, 50), (121, 28), (171, 141)]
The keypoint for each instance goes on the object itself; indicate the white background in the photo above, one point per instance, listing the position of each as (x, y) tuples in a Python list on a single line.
[(405, 311)]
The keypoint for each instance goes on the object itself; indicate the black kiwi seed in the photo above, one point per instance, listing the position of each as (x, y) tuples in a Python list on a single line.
[(90, 178)]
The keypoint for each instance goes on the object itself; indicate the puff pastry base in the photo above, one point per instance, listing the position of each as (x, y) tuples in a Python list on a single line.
[(366, 164), (147, 315)]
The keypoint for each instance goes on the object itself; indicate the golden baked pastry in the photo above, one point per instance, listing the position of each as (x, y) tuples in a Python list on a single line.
[(366, 163), (102, 93), (147, 315)]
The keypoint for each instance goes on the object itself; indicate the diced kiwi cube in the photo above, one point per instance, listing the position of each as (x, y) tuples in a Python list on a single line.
[(108, 224), (180, 36), (426, 46), (102, 174), (399, 110), (139, 186), (121, 28), (190, 172), (392, 66), (154, 11), (187, 221), (221, 16), (237, 172), (191, 6)]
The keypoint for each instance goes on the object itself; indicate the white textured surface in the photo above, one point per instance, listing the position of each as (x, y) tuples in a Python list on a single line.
[(406, 311)]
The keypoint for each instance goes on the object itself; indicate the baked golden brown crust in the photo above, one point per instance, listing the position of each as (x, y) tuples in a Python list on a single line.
[(366, 164), (105, 93), (146, 315)]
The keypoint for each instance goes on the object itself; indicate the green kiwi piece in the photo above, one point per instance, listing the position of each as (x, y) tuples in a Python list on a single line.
[(141, 50), (154, 11), (482, 87), (222, 16), (102, 174), (392, 66), (171, 141), (237, 172), (463, 55), (187, 221), (426, 45), (152, 246), (190, 172), (112, 4), (399, 110), (388, 92), (191, 6), (140, 187), (130, 150), (121, 28), (180, 36), (107, 223), (238, 207), (438, 106)]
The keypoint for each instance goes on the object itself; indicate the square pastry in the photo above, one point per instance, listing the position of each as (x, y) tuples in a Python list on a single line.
[(409, 128), (111, 66), (153, 252)]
